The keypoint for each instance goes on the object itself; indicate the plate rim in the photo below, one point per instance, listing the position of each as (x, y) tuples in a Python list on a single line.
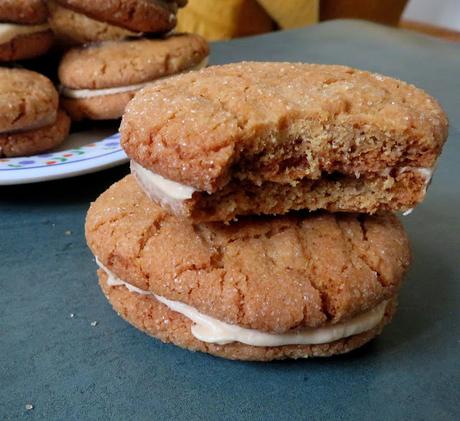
[(42, 173)]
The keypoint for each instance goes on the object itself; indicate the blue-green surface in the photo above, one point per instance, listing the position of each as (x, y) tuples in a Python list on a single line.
[(70, 370)]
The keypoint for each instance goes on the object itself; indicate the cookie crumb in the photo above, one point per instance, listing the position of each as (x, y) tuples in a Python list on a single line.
[(29, 407), (68, 232), (94, 323)]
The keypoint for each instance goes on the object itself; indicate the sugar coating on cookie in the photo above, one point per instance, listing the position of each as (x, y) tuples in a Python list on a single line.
[(98, 81), (270, 274), (302, 281), (268, 138), (28, 100), (136, 15), (73, 28)]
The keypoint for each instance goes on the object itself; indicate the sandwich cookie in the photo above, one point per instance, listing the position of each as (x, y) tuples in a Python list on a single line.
[(258, 289), (157, 16), (98, 81), (24, 32), (268, 138), (30, 121), (72, 28)]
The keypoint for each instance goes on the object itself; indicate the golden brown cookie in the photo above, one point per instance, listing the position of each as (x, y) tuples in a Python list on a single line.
[(267, 138), (27, 45), (136, 15), (72, 28), (35, 141), (30, 12), (114, 64), (106, 107), (28, 100), (24, 32), (272, 275), (98, 81)]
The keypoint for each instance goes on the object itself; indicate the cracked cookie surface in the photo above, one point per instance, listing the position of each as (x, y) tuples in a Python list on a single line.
[(129, 62), (270, 274), (27, 99)]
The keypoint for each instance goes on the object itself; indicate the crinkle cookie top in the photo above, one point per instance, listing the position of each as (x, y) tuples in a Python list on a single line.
[(280, 122), (271, 274), (23, 11), (121, 63), (27, 100)]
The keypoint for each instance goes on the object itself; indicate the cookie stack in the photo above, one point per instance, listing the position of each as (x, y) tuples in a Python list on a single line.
[(258, 220), (30, 119), (119, 48), (128, 49)]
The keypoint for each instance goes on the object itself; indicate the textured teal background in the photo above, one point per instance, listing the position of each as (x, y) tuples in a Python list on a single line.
[(70, 370)]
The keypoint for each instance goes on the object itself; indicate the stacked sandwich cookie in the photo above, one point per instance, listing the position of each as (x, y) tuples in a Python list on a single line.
[(24, 31), (258, 222), (128, 48), (30, 118)]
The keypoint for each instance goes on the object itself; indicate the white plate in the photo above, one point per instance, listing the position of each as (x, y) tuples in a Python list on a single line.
[(83, 152)]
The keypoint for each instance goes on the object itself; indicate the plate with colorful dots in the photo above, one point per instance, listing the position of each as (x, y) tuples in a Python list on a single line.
[(83, 152)]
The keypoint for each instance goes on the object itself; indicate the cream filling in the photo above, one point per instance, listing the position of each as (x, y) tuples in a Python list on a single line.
[(172, 193), (91, 93), (208, 329), (9, 31), (160, 189)]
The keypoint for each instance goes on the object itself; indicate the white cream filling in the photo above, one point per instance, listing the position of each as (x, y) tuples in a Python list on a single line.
[(160, 189), (9, 31), (91, 93), (208, 329)]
